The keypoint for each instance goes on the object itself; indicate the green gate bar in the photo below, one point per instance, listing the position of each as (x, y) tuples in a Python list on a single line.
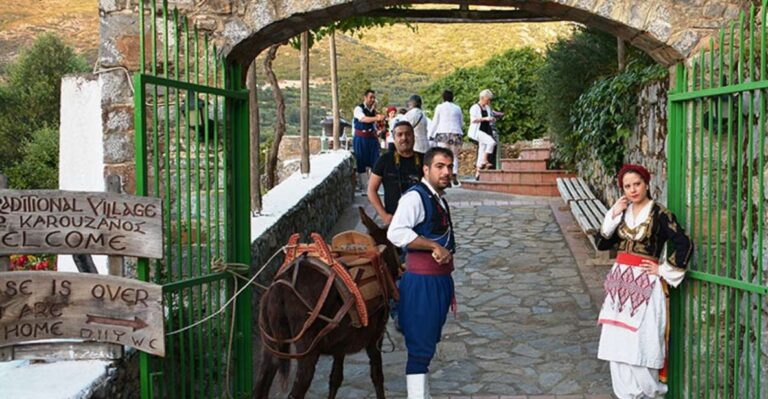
[(716, 173), (191, 112)]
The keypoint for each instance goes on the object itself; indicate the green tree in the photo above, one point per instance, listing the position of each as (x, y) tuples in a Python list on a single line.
[(31, 97), (512, 77), (351, 93), (572, 65), (603, 117), (38, 166)]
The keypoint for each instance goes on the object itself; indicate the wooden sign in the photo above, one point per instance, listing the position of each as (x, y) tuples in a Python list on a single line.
[(39, 305), (68, 222)]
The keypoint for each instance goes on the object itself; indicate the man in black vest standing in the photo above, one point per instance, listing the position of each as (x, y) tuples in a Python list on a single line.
[(365, 144)]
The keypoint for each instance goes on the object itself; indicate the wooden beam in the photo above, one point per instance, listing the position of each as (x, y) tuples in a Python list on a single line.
[(115, 263), (255, 133), (621, 52), (304, 61), (334, 92), (460, 16), (5, 261)]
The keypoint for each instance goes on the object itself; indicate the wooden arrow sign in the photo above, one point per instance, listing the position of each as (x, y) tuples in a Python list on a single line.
[(136, 323)]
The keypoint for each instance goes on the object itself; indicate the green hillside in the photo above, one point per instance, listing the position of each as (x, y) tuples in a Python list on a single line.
[(399, 62)]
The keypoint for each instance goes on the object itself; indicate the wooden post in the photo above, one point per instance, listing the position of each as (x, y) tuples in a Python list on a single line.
[(5, 261), (114, 263), (255, 131), (621, 52), (334, 93), (304, 103)]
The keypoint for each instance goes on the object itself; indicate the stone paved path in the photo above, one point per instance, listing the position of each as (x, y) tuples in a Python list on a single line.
[(526, 324)]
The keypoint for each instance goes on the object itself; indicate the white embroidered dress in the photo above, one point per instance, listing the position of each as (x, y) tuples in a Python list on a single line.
[(634, 317)]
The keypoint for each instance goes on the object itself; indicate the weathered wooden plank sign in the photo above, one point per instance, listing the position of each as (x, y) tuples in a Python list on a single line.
[(69, 222), (39, 305)]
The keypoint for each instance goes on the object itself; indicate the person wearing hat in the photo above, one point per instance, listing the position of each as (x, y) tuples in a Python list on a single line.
[(416, 117), (634, 315)]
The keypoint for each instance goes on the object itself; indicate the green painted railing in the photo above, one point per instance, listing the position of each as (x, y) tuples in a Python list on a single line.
[(716, 188), (191, 150)]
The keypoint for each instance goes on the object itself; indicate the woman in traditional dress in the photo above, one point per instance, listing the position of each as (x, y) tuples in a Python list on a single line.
[(635, 315)]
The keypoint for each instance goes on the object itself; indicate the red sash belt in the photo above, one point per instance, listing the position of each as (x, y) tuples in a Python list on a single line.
[(626, 258), (422, 262), (365, 133)]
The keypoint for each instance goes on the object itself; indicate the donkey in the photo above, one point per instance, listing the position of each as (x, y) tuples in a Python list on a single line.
[(284, 317)]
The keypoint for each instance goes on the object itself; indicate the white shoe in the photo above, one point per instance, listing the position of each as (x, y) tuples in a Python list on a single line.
[(417, 386)]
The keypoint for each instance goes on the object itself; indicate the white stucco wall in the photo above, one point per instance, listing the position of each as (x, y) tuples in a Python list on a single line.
[(81, 147)]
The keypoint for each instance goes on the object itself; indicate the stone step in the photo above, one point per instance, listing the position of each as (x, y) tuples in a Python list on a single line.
[(510, 164), (535, 153), (523, 177), (541, 189)]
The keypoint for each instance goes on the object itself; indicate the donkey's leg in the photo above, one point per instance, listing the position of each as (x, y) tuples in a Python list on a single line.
[(267, 370), (304, 373), (377, 369), (337, 375)]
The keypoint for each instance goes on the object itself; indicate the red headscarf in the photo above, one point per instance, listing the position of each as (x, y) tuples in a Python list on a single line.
[(643, 172), (391, 108)]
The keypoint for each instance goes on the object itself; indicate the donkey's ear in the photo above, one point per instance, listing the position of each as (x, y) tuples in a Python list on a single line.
[(367, 221)]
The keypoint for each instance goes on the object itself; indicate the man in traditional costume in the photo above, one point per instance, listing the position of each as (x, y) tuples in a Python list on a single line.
[(365, 144), (422, 224), (635, 313)]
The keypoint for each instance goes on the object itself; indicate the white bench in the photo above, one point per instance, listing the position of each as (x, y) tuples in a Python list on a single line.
[(585, 207)]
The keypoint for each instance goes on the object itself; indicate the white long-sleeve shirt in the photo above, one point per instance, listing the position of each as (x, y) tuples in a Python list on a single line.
[(475, 113), (447, 119), (359, 114), (419, 121), (410, 212), (673, 275)]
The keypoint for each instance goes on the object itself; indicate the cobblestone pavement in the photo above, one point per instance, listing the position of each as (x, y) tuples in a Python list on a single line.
[(526, 324)]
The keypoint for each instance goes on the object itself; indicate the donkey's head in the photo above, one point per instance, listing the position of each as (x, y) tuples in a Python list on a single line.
[(391, 254)]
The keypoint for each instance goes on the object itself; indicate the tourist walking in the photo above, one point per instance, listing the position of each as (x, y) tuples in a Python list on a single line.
[(422, 224), (447, 122), (365, 143), (634, 316), (480, 130), (416, 117)]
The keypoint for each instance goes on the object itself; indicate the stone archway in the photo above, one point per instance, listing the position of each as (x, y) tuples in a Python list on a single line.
[(670, 31), (667, 30)]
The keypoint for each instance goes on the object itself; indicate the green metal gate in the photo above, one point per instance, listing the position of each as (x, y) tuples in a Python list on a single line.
[(716, 179), (191, 123)]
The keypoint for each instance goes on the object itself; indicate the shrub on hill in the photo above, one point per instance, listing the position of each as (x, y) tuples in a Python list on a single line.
[(572, 65), (512, 76), (29, 108), (603, 117)]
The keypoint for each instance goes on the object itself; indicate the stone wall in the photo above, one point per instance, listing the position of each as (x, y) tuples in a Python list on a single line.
[(122, 380), (646, 146), (317, 211)]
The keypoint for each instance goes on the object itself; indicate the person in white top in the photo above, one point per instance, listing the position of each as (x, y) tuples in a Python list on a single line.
[(422, 224), (480, 119), (392, 119), (446, 129), (634, 315), (415, 116)]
